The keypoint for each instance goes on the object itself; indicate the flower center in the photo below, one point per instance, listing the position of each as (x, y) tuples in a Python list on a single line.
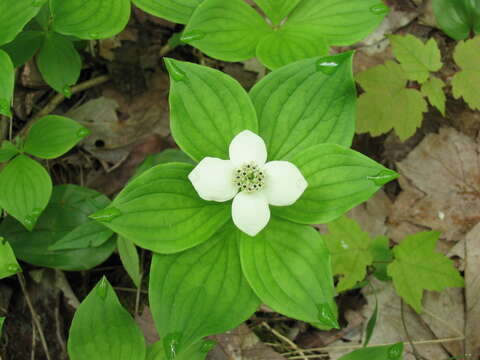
[(249, 178)]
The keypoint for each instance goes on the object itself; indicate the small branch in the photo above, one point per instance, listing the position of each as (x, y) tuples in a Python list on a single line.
[(287, 340), (405, 328), (125, 289)]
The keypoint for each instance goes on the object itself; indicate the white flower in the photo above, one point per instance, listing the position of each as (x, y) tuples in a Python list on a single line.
[(252, 183)]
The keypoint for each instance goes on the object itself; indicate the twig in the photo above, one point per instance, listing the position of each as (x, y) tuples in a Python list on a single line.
[(284, 338), (34, 341), (407, 334), (21, 280), (165, 50), (130, 290)]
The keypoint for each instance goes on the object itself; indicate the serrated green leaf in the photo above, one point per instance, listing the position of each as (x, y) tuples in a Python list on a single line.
[(277, 10), (207, 109), (7, 151), (418, 267), (161, 211), (103, 330), (226, 30), (433, 90), (24, 46), (91, 234), (8, 262), (130, 259), (466, 83), (387, 352), (177, 11), (14, 15), (25, 188), (342, 22), (289, 44), (350, 248), (59, 63), (306, 103), (201, 291), (166, 156), (293, 278), (90, 19), (7, 82), (53, 135), (382, 255), (338, 179), (68, 208), (417, 59), (389, 76), (454, 17)]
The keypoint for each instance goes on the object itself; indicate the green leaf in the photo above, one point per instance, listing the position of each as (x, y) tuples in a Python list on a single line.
[(24, 46), (7, 151), (277, 10), (7, 82), (8, 262), (201, 291), (350, 248), (453, 17), (372, 322), (59, 63), (433, 90), (53, 135), (69, 208), (338, 180), (417, 267), (197, 351), (289, 44), (25, 188), (103, 330), (390, 105), (342, 22), (166, 156), (2, 320), (208, 109), (417, 59), (466, 83), (177, 11), (161, 211), (14, 15), (293, 278), (90, 19), (306, 103), (226, 30), (382, 255), (130, 261), (387, 352), (89, 234)]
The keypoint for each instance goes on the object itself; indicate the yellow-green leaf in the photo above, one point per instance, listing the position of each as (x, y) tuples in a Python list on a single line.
[(433, 90)]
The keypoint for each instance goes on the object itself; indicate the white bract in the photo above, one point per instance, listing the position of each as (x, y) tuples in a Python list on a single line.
[(250, 181)]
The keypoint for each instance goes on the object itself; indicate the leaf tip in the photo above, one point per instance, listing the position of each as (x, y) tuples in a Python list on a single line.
[(105, 215), (174, 70), (384, 177)]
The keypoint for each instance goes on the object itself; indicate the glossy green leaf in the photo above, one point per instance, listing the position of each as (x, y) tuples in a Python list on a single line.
[(90, 19), (208, 109), (177, 11), (277, 10), (14, 15), (288, 266), (197, 351), (7, 151), (25, 189), (382, 256), (69, 208), (89, 234), (201, 291), (387, 352), (306, 103), (7, 81), (53, 135), (466, 83), (418, 267), (103, 330), (433, 90), (161, 211), (342, 22), (226, 30), (289, 44), (130, 259), (59, 63), (166, 156), (455, 18), (25, 45), (8, 262), (338, 180)]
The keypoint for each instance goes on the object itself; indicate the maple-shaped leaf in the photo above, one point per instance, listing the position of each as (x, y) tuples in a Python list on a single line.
[(417, 59), (418, 267), (433, 90), (466, 83), (387, 103)]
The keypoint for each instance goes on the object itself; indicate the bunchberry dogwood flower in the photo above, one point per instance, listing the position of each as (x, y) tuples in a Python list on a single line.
[(249, 180)]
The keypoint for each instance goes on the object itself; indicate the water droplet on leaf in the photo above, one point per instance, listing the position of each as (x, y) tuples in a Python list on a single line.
[(5, 107), (3, 241), (171, 344), (93, 35), (13, 268), (383, 177), (207, 346), (67, 92), (106, 215), (192, 36), (379, 9), (103, 288), (83, 132), (327, 316), (327, 67), (395, 351), (174, 71), (37, 212)]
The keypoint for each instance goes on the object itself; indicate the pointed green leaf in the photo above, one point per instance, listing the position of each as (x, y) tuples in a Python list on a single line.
[(418, 267), (89, 234), (387, 352), (161, 211), (454, 18), (382, 255), (177, 11), (208, 109), (8, 262), (417, 59), (7, 82), (372, 322), (25, 188), (24, 46), (226, 30), (466, 83), (306, 103), (103, 330), (2, 320), (14, 15), (433, 90), (277, 10), (90, 19), (292, 277), (201, 291), (7, 151), (195, 352), (130, 259), (338, 180)]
